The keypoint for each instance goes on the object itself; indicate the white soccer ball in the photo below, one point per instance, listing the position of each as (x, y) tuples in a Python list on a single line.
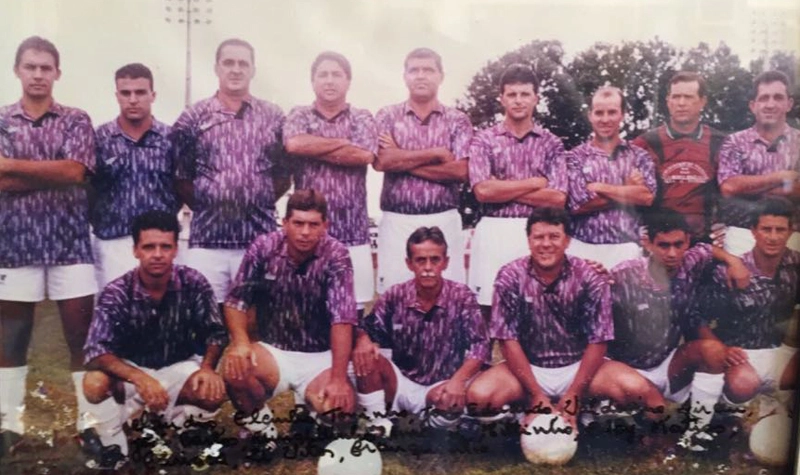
[(262, 423), (548, 439), (769, 439), (350, 457)]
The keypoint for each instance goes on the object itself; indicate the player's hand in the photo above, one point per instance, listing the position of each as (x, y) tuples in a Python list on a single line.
[(453, 397), (208, 385), (735, 356), (365, 356), (338, 394), (635, 178), (737, 276), (787, 175), (594, 187), (538, 182), (386, 141), (444, 155), (717, 235), (238, 360), (152, 392), (600, 269), (569, 408)]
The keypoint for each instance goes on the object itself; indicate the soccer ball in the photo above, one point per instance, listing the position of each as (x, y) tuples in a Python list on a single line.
[(769, 439), (548, 439), (262, 423), (350, 457)]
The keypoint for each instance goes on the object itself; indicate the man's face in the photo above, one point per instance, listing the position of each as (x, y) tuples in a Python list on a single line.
[(37, 72), (155, 251), (606, 116), (135, 98), (548, 244), (304, 229), (771, 234), (235, 69), (668, 248), (330, 82), (519, 101), (685, 104), (771, 104), (428, 260), (422, 78)]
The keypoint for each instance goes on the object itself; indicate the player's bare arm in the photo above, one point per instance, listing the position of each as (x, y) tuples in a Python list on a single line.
[(338, 393), (27, 175), (239, 357), (756, 184), (457, 171), (569, 404), (153, 393), (392, 158), (340, 151), (365, 354), (453, 395), (594, 205), (520, 367), (737, 274), (206, 382), (503, 191), (635, 195), (547, 197)]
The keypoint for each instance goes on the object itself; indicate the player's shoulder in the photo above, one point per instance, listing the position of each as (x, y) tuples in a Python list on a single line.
[(265, 106), (630, 267), (360, 113), (118, 290), (189, 277), (69, 111), (457, 292), (392, 110), (106, 130), (454, 113), (332, 247), (792, 257), (514, 269), (299, 111)]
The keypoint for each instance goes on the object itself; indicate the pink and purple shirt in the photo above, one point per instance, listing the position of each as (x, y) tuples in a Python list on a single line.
[(344, 187), (48, 226), (497, 153)]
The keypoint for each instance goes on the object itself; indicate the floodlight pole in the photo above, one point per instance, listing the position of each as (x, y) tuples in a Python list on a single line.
[(189, 13)]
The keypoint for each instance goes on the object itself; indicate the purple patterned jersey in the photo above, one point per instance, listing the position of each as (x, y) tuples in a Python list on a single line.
[(552, 322), (589, 164), (129, 324), (132, 176), (444, 127), (50, 226), (295, 304), (345, 188), (496, 153), (231, 157), (429, 346), (746, 153), (649, 320), (755, 317)]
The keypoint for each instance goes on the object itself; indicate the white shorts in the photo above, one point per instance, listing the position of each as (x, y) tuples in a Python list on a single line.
[(112, 258), (296, 369), (659, 376), (363, 274), (410, 396), (496, 242), (393, 233), (555, 381), (607, 254), (27, 284), (219, 266), (740, 240), (172, 378), (770, 364)]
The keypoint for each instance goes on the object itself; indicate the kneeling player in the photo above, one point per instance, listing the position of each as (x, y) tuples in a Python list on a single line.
[(436, 333), (552, 316), (148, 327)]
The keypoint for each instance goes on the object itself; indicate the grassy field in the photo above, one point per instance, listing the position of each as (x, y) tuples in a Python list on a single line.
[(50, 447)]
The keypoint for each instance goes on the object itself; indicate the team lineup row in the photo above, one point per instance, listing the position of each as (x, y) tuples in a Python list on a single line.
[(229, 157)]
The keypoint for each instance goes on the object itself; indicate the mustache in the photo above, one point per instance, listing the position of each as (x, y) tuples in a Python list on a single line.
[(427, 274)]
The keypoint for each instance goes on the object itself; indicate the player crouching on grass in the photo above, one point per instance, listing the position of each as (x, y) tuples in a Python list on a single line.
[(437, 336), (144, 348)]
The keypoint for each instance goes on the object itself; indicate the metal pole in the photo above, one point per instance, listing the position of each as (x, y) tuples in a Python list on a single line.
[(188, 92)]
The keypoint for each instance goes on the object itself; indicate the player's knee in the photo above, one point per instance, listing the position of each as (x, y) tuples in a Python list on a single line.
[(482, 396), (96, 386), (711, 353), (741, 385)]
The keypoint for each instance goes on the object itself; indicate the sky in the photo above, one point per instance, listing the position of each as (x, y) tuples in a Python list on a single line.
[(95, 37)]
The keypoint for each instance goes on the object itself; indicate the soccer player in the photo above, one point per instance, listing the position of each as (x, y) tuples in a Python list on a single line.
[(752, 322), (332, 144), (514, 167), (686, 155), (423, 152), (229, 167), (552, 316), (653, 299), (134, 172), (45, 151), (437, 337), (760, 161), (154, 341), (300, 281), (608, 178)]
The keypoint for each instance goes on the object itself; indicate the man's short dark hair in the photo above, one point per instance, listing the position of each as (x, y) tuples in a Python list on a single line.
[(135, 71), (155, 219), (767, 77), (689, 76), (307, 200), (332, 56), (664, 221), (235, 42), (422, 234), (549, 215), (773, 206), (424, 53), (39, 44), (519, 74)]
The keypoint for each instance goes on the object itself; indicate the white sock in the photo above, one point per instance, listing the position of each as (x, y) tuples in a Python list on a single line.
[(374, 405), (706, 390), (12, 398), (107, 419), (187, 416), (84, 408)]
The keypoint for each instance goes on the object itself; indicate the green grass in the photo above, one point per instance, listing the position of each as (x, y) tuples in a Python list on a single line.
[(50, 447)]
